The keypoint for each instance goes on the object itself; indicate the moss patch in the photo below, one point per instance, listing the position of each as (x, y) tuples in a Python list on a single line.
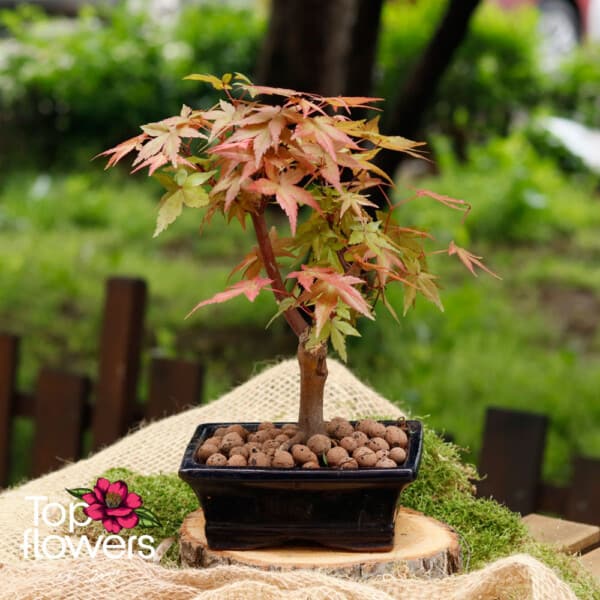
[(443, 490)]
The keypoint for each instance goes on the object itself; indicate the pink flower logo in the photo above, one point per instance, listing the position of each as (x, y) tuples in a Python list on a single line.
[(114, 505)]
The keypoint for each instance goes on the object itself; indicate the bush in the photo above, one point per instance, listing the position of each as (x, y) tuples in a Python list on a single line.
[(87, 83)]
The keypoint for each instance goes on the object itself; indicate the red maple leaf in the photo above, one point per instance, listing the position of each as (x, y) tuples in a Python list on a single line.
[(324, 286), (287, 194), (469, 260), (249, 287)]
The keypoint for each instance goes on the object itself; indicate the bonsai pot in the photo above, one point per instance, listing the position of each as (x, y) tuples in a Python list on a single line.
[(249, 507)]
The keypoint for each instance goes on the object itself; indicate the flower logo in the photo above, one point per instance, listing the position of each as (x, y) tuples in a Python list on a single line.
[(114, 505)]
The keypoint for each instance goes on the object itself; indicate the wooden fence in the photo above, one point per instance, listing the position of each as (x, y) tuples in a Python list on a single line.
[(511, 459), (64, 406)]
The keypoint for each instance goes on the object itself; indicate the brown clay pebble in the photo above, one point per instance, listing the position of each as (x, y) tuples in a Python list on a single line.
[(215, 440), (396, 437), (361, 438), (273, 432), (260, 436), (349, 463), (281, 438), (229, 441), (266, 425), (289, 429), (311, 464), (365, 426), (302, 454), (365, 457), (319, 444), (270, 445), (398, 455), (377, 443), (339, 428), (239, 429), (237, 460), (386, 463), (220, 431), (216, 460), (252, 446), (382, 454), (349, 443), (205, 451), (336, 455), (283, 460), (259, 459), (239, 451), (377, 430), (331, 425)]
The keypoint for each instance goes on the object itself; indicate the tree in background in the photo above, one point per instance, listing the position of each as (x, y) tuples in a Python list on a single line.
[(330, 48)]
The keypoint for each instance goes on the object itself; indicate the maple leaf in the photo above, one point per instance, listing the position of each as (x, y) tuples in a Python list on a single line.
[(287, 194), (183, 189), (120, 150), (469, 260), (351, 101), (218, 84), (355, 202), (249, 287), (324, 287), (252, 263), (453, 203), (322, 130)]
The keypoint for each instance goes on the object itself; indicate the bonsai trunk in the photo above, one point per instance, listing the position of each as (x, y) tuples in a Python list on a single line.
[(313, 365), (313, 374)]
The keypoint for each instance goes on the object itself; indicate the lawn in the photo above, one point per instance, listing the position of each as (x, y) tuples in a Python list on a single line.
[(529, 341)]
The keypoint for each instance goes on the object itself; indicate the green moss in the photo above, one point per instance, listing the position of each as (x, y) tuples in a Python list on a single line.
[(443, 490), (167, 496)]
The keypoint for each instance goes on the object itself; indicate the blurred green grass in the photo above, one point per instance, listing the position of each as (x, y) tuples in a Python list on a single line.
[(529, 341)]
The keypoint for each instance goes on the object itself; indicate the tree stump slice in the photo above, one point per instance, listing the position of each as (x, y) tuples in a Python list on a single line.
[(423, 547)]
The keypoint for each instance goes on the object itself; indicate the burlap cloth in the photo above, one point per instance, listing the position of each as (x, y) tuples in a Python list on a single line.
[(158, 447)]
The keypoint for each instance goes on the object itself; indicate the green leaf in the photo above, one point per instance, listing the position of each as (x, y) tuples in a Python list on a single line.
[(79, 492), (195, 197), (198, 178), (165, 180), (147, 517), (218, 84), (410, 293), (345, 328), (338, 341), (169, 209)]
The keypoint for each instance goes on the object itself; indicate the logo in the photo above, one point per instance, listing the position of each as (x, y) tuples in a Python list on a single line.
[(112, 504)]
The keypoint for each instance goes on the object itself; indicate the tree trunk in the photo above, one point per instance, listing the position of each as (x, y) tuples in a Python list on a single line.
[(419, 90), (313, 374), (323, 47)]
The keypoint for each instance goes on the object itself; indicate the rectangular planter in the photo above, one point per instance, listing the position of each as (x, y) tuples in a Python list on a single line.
[(249, 507)]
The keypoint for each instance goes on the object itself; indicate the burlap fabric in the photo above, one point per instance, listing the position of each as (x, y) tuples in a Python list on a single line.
[(158, 446)]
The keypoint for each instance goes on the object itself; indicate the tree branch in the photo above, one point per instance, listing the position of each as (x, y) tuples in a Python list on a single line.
[(292, 315)]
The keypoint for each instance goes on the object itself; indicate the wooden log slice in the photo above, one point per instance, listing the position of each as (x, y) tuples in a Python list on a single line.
[(422, 546)]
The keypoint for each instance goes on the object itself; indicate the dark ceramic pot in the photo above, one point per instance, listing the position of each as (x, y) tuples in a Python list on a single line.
[(249, 507)]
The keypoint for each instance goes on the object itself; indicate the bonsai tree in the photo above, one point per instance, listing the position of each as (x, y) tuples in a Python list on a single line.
[(243, 156)]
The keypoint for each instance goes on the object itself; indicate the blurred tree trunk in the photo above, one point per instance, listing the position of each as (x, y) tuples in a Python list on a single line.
[(323, 47), (406, 115)]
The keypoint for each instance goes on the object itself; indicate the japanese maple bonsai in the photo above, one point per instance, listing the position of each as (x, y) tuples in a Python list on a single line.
[(295, 150)]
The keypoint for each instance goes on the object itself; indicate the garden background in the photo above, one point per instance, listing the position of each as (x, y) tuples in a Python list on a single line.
[(72, 88)]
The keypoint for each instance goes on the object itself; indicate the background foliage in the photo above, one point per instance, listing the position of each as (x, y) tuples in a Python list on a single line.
[(531, 341)]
